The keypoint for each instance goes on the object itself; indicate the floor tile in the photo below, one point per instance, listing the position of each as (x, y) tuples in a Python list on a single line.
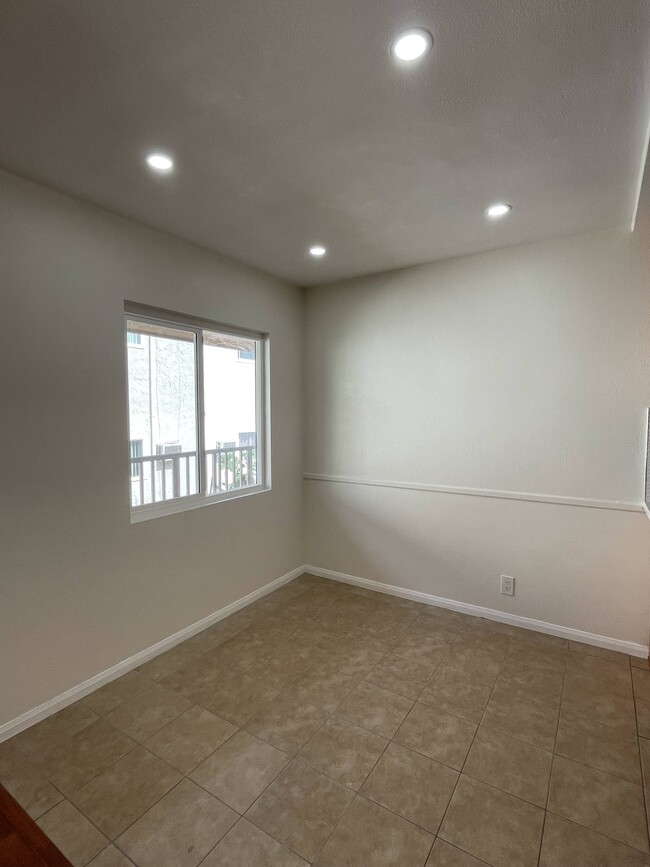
[(514, 766), (355, 662), (492, 825), (10, 759), (411, 785), (77, 760), (34, 793), (334, 622), (179, 830), (282, 669), (375, 709), (429, 627), (72, 833), (111, 857), (108, 697), (46, 735), (458, 696), (608, 749), (445, 855), (325, 690), (542, 641), (148, 712), (301, 809), (186, 741), (403, 676), (239, 771), (123, 792), (599, 801), (644, 749), (370, 835), (641, 683), (437, 734), (286, 723), (472, 664), (599, 704), (247, 846), (359, 639), (643, 717), (526, 720), (566, 844), (422, 648), (162, 665), (343, 751), (612, 656), (386, 668), (215, 635), (524, 653), (238, 653), (530, 682), (640, 662), (586, 667), (493, 646), (239, 697), (197, 681)]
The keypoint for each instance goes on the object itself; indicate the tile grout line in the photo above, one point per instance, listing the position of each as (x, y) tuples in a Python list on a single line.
[(356, 792), (389, 741), (638, 742), (460, 773), (294, 757), (550, 776)]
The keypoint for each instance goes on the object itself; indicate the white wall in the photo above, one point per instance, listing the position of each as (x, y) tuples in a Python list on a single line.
[(522, 370), (82, 588)]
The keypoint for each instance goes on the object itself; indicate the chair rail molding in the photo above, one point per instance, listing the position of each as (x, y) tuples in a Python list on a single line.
[(554, 499)]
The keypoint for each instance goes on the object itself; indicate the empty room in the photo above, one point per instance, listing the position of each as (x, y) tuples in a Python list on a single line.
[(325, 375)]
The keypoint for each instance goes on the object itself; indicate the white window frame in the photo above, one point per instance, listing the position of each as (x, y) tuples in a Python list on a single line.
[(136, 313)]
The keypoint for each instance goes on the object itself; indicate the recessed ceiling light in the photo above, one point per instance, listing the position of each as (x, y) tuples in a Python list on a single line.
[(412, 44), (160, 162), (498, 210), (317, 251)]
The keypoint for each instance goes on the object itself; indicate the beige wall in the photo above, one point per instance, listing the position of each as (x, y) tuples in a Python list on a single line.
[(523, 370), (81, 588)]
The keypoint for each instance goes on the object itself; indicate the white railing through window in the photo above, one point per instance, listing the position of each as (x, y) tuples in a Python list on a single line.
[(230, 468), (157, 478)]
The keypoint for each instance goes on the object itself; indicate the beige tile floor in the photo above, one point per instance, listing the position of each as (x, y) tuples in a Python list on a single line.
[(330, 725)]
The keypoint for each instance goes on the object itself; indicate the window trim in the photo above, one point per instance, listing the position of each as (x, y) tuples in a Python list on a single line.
[(165, 318)]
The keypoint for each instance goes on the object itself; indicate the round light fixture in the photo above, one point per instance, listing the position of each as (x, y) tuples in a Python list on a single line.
[(160, 162), (498, 210), (412, 44), (317, 251)]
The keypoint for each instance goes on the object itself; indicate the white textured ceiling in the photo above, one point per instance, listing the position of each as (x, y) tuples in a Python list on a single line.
[(291, 124)]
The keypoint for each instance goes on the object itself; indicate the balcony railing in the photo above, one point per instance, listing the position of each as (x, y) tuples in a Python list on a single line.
[(230, 468), (156, 478)]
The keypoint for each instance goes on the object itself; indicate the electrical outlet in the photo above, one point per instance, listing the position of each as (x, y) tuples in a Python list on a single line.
[(507, 585)]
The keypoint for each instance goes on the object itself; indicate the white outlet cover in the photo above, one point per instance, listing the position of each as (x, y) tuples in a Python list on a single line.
[(507, 585)]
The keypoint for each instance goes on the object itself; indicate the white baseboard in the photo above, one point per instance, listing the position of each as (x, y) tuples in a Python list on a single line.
[(30, 717), (604, 641)]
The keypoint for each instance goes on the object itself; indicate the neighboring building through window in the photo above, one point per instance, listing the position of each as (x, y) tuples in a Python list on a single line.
[(248, 438), (198, 430)]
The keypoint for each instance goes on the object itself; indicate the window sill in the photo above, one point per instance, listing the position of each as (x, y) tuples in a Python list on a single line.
[(186, 504)]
